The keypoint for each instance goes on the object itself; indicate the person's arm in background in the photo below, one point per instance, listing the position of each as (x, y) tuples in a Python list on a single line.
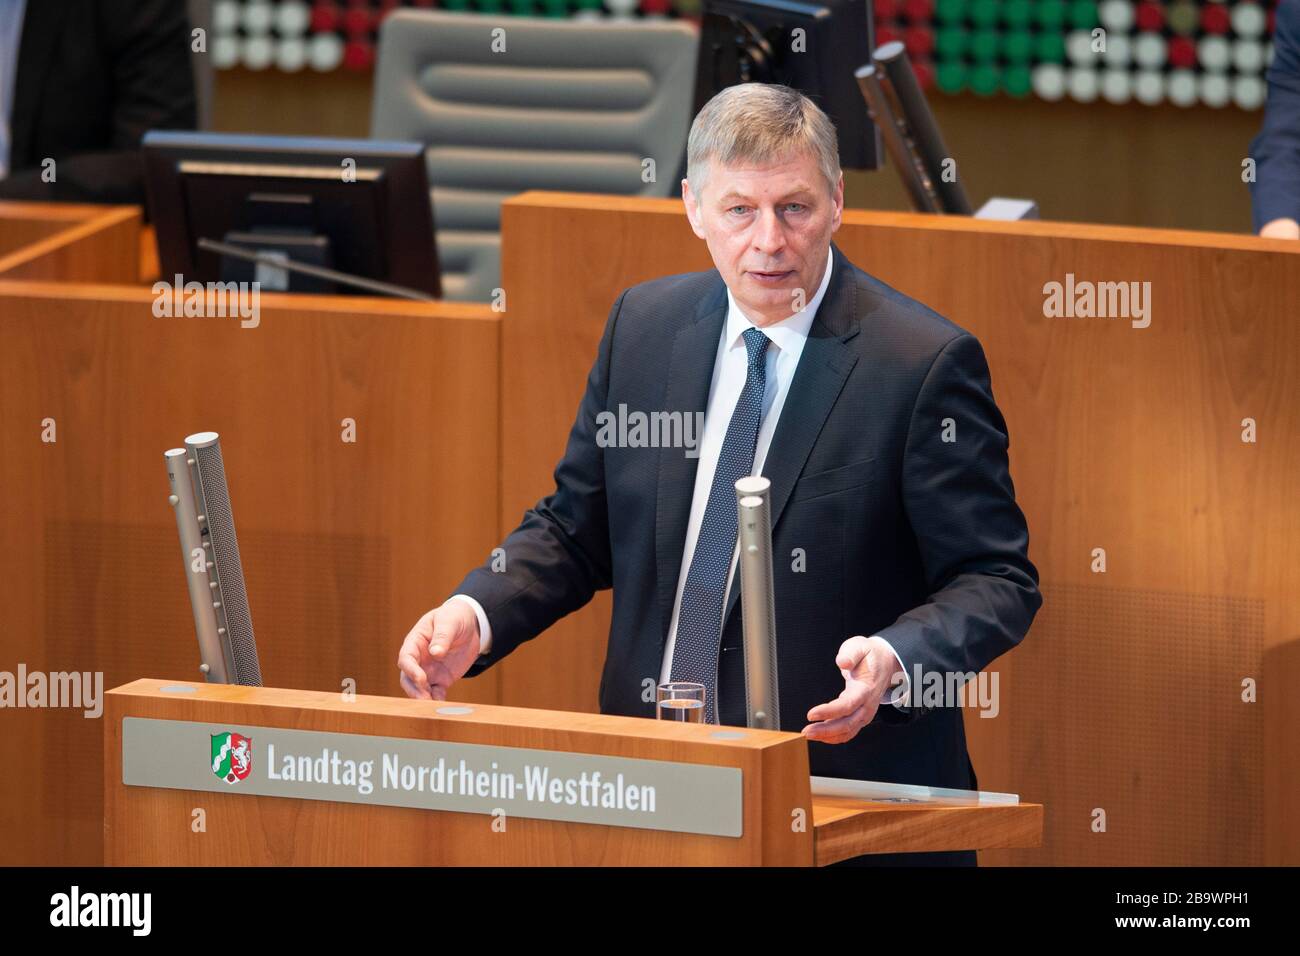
[(554, 562), (1275, 193), (148, 47)]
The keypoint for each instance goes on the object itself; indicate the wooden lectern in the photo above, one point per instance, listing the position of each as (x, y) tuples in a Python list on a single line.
[(213, 775)]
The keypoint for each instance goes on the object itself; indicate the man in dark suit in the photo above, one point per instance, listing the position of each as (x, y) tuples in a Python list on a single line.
[(81, 81), (900, 550), (1275, 190)]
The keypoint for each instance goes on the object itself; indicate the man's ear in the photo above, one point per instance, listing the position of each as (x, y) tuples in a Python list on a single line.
[(838, 212), (691, 203)]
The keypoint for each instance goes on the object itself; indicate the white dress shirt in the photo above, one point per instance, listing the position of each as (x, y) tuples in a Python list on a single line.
[(729, 372)]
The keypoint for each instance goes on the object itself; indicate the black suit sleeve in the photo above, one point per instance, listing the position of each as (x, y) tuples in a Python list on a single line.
[(147, 54), (1276, 150), (971, 534), (559, 556)]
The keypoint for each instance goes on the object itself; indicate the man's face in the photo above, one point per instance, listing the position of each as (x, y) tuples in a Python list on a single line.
[(768, 229)]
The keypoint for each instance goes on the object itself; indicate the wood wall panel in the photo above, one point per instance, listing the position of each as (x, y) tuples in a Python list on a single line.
[(77, 243), (344, 546)]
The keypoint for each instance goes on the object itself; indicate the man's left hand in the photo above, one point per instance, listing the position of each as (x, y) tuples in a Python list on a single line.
[(869, 667)]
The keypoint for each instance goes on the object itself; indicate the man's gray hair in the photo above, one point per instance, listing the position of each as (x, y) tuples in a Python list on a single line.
[(760, 123)]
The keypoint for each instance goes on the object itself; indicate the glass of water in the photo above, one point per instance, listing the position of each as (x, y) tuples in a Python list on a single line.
[(681, 701)]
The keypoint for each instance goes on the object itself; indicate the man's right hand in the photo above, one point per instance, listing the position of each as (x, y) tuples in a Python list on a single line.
[(1283, 228), (439, 650)]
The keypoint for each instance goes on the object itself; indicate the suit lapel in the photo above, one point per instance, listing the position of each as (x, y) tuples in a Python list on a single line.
[(42, 26), (823, 368)]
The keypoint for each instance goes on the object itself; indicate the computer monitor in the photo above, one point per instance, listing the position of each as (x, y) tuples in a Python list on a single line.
[(752, 41), (347, 209)]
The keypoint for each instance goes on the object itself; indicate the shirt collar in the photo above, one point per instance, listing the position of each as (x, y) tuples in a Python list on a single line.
[(788, 334)]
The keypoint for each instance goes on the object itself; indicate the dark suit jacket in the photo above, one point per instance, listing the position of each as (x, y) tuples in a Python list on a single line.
[(905, 535), (93, 76), (1275, 193)]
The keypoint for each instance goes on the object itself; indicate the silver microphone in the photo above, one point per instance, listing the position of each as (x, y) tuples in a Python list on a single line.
[(213, 571), (754, 524)]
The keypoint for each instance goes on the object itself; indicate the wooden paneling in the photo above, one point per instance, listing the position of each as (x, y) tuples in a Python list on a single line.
[(1160, 166), (22, 224), (1126, 698), (150, 270), (344, 545), (336, 103), (71, 242), (848, 828)]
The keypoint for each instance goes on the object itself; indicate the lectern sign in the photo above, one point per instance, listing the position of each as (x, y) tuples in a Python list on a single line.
[(432, 775)]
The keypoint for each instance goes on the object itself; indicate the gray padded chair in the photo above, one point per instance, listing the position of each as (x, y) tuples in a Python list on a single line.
[(571, 105)]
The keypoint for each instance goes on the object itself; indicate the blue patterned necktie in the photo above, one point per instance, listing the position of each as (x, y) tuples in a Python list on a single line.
[(699, 622)]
